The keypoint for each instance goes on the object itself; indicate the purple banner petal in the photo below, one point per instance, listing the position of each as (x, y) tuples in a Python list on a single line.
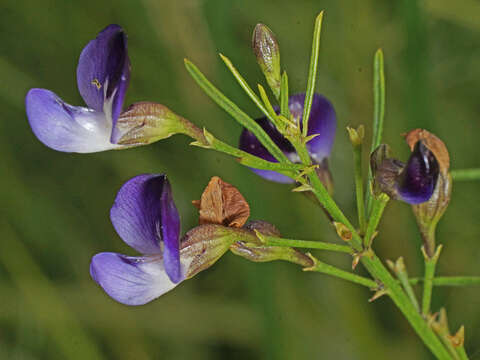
[(131, 280), (66, 128), (323, 121), (170, 233), (103, 72), (249, 143), (419, 177), (137, 213)]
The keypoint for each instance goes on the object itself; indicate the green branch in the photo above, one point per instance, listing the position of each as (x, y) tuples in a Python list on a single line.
[(465, 174), (234, 111)]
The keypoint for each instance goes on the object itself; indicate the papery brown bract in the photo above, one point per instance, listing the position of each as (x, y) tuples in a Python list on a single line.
[(221, 203)]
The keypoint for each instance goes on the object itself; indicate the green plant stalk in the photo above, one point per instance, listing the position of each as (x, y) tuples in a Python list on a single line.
[(450, 280), (465, 174), (378, 115), (373, 264), (312, 72), (402, 275), (430, 265), (342, 274), (284, 109), (248, 159), (233, 110), (318, 245), (401, 300), (462, 353), (378, 207), (357, 159)]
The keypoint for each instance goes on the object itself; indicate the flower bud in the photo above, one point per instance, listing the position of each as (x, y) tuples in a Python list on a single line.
[(146, 122), (356, 135), (265, 47), (205, 244)]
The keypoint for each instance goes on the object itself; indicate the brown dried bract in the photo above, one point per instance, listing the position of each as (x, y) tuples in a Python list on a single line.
[(433, 143), (221, 203)]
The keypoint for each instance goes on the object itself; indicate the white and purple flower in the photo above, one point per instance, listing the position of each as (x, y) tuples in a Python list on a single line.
[(322, 122), (146, 218), (103, 75)]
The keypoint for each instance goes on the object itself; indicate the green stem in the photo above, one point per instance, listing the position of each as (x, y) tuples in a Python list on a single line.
[(247, 159), (323, 268), (401, 271), (318, 245), (312, 72), (357, 159), (375, 266), (231, 108), (378, 115), (466, 174), (401, 300), (378, 207), (430, 265), (462, 353), (450, 280)]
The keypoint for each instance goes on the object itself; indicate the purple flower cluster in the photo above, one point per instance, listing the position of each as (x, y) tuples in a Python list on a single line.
[(144, 213)]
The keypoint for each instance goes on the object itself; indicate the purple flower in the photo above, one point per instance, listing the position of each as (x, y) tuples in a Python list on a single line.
[(322, 121), (417, 181), (103, 74), (413, 182), (146, 218)]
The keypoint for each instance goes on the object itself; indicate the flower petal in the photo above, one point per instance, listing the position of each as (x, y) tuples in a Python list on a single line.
[(249, 143), (131, 280), (67, 128), (323, 121), (170, 233), (103, 73), (144, 212), (418, 179)]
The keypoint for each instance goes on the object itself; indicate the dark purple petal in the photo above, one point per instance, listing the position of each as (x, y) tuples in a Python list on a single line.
[(138, 213), (103, 72), (67, 128), (170, 233), (417, 181), (250, 144), (322, 121), (144, 214), (131, 280)]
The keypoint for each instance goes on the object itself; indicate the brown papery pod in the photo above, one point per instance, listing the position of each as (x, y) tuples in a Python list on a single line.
[(221, 203), (433, 143)]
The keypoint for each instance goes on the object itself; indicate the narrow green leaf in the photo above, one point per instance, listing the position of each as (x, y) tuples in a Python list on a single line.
[(312, 72), (378, 115), (284, 109), (233, 110), (266, 102)]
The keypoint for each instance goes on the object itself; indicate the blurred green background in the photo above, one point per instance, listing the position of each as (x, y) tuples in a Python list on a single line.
[(54, 206)]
